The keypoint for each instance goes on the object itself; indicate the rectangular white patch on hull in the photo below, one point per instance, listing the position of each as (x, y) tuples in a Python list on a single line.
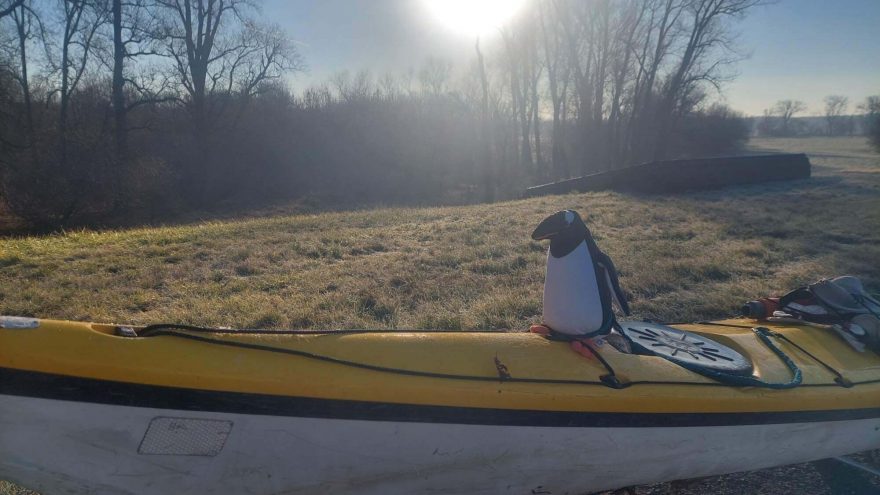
[(185, 436)]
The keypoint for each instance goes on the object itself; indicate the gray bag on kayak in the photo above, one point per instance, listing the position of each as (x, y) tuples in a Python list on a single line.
[(841, 301)]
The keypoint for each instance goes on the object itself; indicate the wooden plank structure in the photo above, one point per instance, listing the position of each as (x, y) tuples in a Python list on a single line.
[(671, 176)]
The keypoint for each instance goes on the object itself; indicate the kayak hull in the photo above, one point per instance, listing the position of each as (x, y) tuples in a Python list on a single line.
[(93, 408), (59, 446)]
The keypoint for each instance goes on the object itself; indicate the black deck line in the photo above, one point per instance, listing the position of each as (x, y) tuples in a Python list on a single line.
[(69, 388)]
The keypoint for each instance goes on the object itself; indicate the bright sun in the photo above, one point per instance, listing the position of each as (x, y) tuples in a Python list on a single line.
[(473, 17)]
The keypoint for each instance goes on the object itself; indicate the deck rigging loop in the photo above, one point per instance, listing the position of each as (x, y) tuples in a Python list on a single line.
[(708, 357), (839, 378)]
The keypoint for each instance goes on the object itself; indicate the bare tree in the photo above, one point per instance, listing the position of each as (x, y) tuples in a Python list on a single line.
[(216, 48), (434, 76), (871, 110), (557, 82), (191, 30), (708, 48), (574, 24), (27, 27), (389, 86), (120, 53), (79, 23), (135, 29), (785, 110), (131, 36), (15, 64), (516, 65), (488, 163), (625, 46), (219, 52), (835, 109), (533, 73), (657, 42), (7, 7), (359, 87), (61, 154), (265, 54)]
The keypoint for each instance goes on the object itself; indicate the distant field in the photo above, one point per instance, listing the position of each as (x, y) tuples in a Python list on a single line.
[(684, 257)]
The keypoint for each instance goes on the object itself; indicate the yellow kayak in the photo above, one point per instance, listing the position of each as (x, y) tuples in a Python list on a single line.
[(179, 409)]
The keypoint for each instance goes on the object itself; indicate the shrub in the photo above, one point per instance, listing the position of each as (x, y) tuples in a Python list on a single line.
[(871, 107), (713, 131)]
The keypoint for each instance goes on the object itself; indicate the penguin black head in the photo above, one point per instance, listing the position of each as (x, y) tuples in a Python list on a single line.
[(564, 229)]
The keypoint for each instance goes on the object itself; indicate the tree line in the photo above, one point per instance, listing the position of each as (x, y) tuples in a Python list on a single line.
[(139, 109), (836, 119)]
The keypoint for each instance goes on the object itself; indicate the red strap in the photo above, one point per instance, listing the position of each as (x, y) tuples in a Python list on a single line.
[(540, 330), (581, 348)]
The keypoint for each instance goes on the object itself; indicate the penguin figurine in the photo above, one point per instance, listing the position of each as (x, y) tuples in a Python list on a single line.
[(581, 281)]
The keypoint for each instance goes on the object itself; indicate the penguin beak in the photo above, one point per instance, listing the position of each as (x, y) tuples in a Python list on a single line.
[(550, 226)]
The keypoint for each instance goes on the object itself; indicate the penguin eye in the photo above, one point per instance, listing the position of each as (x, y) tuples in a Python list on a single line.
[(569, 217)]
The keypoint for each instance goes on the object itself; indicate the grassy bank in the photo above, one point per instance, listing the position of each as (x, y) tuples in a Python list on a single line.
[(681, 257)]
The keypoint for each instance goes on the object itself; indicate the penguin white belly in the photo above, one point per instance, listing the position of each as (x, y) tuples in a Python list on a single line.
[(572, 304)]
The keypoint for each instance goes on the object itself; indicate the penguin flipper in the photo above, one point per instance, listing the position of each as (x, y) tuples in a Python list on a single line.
[(611, 274)]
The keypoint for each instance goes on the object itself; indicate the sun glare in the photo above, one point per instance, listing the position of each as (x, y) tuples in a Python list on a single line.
[(473, 17)]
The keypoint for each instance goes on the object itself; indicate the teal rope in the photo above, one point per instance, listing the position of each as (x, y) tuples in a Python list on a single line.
[(764, 335)]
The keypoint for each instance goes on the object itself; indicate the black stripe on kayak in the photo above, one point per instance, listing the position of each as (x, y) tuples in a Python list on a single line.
[(61, 387)]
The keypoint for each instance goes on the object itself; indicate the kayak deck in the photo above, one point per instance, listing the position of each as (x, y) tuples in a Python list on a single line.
[(446, 369)]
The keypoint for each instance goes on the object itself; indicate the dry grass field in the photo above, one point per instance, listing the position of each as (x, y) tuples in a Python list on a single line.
[(683, 257)]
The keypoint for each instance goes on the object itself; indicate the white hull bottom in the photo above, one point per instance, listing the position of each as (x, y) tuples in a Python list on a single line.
[(63, 447)]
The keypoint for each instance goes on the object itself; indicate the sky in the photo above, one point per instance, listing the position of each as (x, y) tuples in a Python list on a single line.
[(796, 49)]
